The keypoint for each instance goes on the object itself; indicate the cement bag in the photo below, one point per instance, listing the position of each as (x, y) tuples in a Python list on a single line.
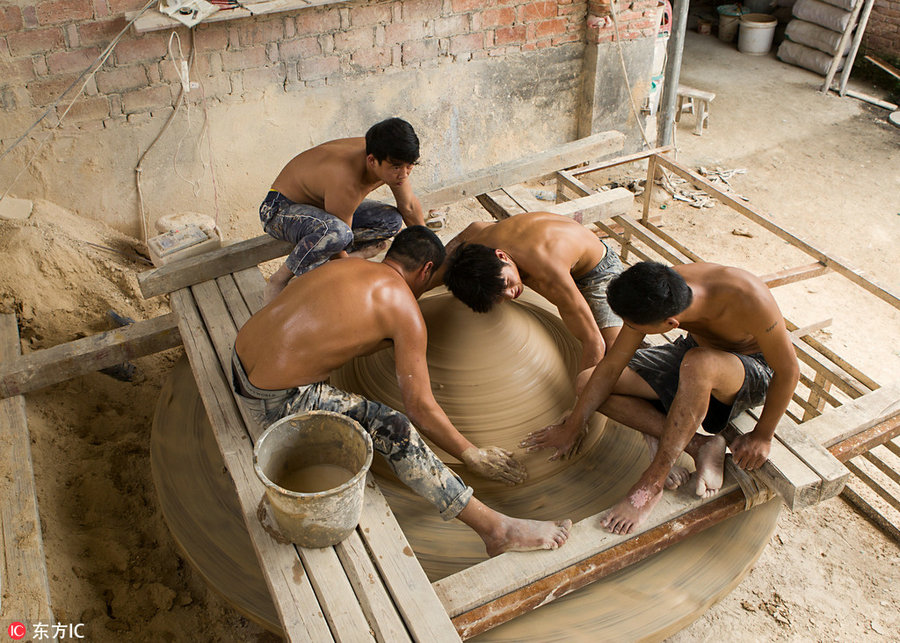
[(822, 14), (806, 33), (846, 5), (802, 56)]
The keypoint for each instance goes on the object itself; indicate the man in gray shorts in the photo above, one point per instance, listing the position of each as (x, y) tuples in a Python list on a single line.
[(351, 307), (317, 202), (553, 255), (737, 354)]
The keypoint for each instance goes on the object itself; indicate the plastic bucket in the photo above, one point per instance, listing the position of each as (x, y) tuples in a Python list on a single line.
[(757, 31), (314, 466), (729, 19)]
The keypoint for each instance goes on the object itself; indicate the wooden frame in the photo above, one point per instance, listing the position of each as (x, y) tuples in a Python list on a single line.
[(327, 594)]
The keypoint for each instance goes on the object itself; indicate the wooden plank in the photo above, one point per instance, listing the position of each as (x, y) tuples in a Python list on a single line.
[(836, 264), (814, 455), (337, 598), (893, 446), (405, 579), (509, 605), (849, 419), (624, 244), (594, 207), (843, 365), (24, 587), (869, 475), (649, 186), (793, 275), (491, 203), (531, 166), (811, 328), (672, 241), (785, 472), (622, 160), (880, 456), (50, 366), (879, 513), (511, 571), (524, 198), (237, 307), (657, 244), (286, 578), (842, 45), (192, 270), (820, 390), (834, 374), (854, 47), (370, 591), (565, 179), (251, 283)]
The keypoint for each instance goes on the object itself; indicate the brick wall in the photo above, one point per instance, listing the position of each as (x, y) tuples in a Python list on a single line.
[(882, 35), (46, 45)]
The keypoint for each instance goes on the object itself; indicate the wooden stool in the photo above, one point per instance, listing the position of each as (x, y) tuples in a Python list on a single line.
[(695, 101)]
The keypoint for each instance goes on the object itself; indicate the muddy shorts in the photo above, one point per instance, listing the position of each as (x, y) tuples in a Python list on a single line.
[(659, 366), (593, 286), (393, 435), (317, 235)]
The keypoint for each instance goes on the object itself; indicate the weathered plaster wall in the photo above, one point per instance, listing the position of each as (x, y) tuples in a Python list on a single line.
[(481, 82)]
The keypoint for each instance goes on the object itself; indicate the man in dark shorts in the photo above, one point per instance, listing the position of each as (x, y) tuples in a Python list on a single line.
[(552, 254), (737, 354), (318, 202), (350, 307)]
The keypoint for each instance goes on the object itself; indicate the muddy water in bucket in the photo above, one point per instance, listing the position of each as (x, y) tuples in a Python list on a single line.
[(314, 468)]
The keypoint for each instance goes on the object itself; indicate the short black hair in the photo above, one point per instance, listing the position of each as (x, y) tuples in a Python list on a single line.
[(415, 246), (393, 139), (474, 276), (648, 293)]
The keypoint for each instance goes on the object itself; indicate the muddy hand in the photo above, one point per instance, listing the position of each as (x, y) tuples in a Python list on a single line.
[(560, 436), (494, 463)]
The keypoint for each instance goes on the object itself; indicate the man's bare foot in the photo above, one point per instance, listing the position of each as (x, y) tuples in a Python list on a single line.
[(517, 534), (369, 250), (710, 467), (678, 475), (631, 510)]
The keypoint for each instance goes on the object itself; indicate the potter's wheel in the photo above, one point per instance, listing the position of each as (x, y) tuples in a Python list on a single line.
[(648, 600)]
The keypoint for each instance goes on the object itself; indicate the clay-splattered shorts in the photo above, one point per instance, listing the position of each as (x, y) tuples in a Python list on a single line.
[(317, 235), (393, 435), (593, 287), (660, 367)]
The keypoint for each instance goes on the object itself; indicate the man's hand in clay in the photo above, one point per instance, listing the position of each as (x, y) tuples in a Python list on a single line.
[(494, 463), (560, 436)]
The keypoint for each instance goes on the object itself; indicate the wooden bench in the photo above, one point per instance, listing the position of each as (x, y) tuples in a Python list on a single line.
[(696, 102), (368, 587)]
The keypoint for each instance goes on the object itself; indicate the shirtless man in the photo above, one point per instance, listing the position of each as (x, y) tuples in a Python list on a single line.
[(737, 349), (317, 201), (553, 255), (350, 307)]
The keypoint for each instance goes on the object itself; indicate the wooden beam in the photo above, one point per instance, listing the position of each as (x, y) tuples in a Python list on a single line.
[(645, 235), (509, 605), (489, 201), (565, 179), (854, 417), (192, 270), (23, 569), (838, 265), (532, 166), (793, 275), (53, 365), (621, 160), (511, 571)]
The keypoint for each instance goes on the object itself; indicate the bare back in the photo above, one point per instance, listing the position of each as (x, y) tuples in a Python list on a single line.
[(323, 319), (331, 176), (737, 307), (543, 245)]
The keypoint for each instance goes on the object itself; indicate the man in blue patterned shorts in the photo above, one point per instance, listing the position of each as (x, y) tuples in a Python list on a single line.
[(318, 201), (738, 354), (350, 307), (555, 256)]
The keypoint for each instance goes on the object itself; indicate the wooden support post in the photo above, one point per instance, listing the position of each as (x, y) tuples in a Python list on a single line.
[(23, 570), (842, 45), (649, 186), (854, 48), (53, 365)]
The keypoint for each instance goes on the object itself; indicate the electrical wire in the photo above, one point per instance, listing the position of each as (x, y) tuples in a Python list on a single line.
[(90, 71), (634, 110)]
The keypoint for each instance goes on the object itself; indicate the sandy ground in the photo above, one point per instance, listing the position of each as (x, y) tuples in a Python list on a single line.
[(823, 167)]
